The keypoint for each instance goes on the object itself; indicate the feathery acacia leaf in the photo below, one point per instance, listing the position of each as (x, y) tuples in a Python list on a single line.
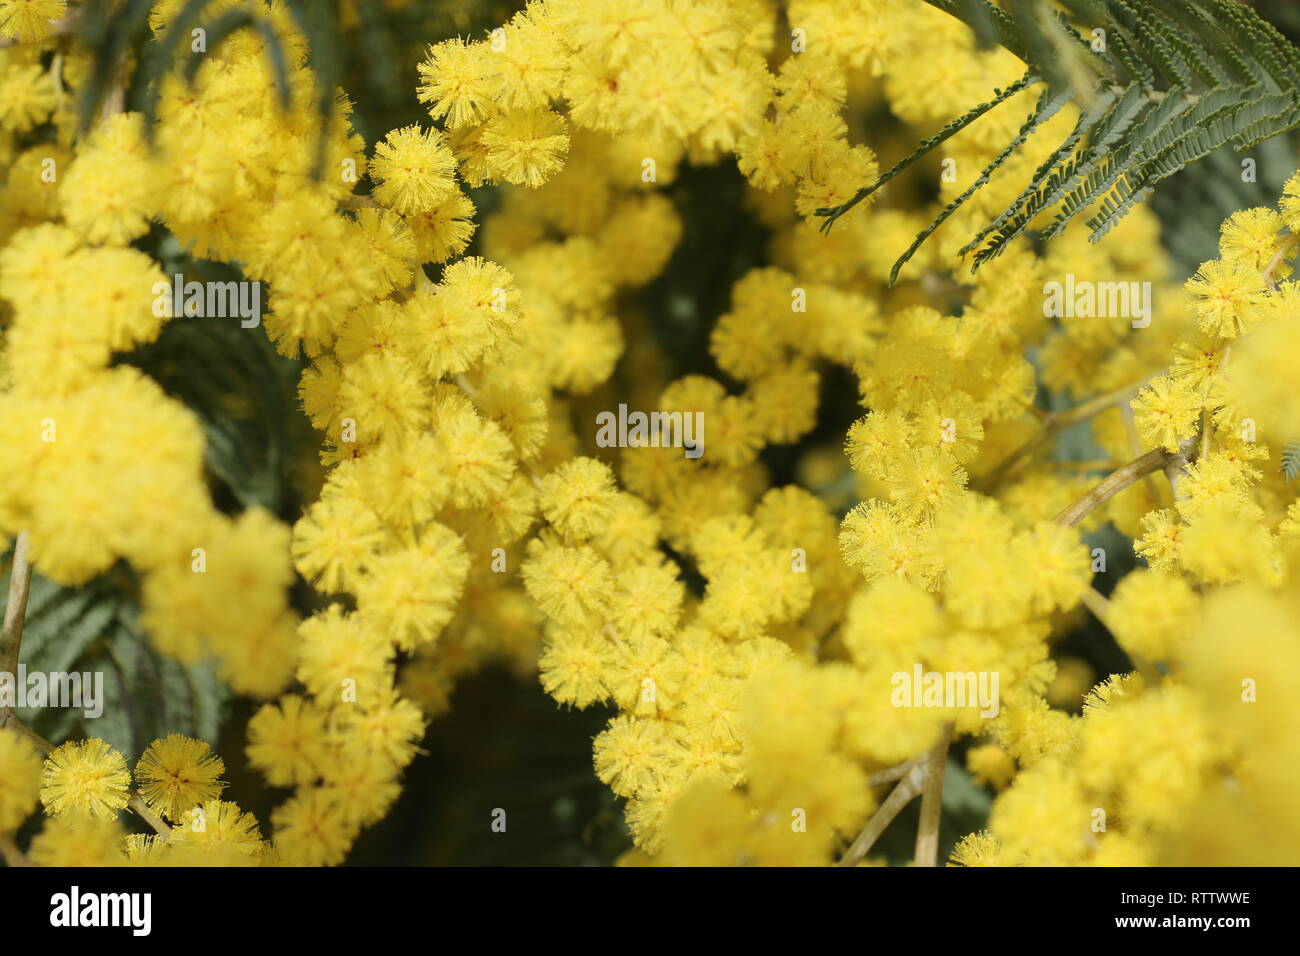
[(1161, 84), (1291, 460), (949, 130)]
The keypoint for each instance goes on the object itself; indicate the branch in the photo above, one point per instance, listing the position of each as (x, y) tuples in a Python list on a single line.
[(114, 101), (11, 634), (9, 850), (927, 833), (1112, 484), (1053, 424), (35, 739), (1176, 466), (1288, 246), (898, 798), (355, 201), (1097, 603), (892, 774), (136, 803), (134, 800), (1099, 606)]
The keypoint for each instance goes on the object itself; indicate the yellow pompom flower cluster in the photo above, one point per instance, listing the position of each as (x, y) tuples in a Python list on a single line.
[(84, 784), (1138, 780), (759, 645), (107, 467), (20, 780), (616, 631)]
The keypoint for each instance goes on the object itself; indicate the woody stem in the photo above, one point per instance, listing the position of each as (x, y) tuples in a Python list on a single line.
[(927, 833), (898, 798), (1053, 424), (10, 852), (1112, 484), (11, 633)]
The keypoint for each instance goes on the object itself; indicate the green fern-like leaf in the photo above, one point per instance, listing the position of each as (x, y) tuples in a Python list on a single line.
[(114, 35), (1048, 105), (242, 392), (1166, 84), (950, 130), (1291, 460), (93, 630)]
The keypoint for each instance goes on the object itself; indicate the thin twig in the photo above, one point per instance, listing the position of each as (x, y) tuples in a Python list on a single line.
[(1096, 602), (35, 739), (1053, 424), (1174, 469), (56, 77), (1099, 606), (1095, 464), (892, 774), (134, 800), (927, 833), (136, 803), (355, 201), (1114, 483), (1135, 446), (114, 101), (1276, 261), (11, 634), (898, 798), (464, 384), (9, 850)]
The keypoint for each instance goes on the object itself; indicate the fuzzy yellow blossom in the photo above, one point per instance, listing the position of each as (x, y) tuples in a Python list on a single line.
[(574, 665), (413, 169), (177, 774), (20, 778), (312, 829), (526, 146), (1252, 235), (1258, 373), (86, 778), (29, 20), (410, 594), (1165, 412), (1152, 613), (218, 823), (456, 508), (626, 754), (980, 849), (891, 620), (578, 497), (287, 741), (1228, 294), (925, 482), (342, 659), (455, 82), (73, 840), (569, 584), (990, 764), (1046, 801)]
